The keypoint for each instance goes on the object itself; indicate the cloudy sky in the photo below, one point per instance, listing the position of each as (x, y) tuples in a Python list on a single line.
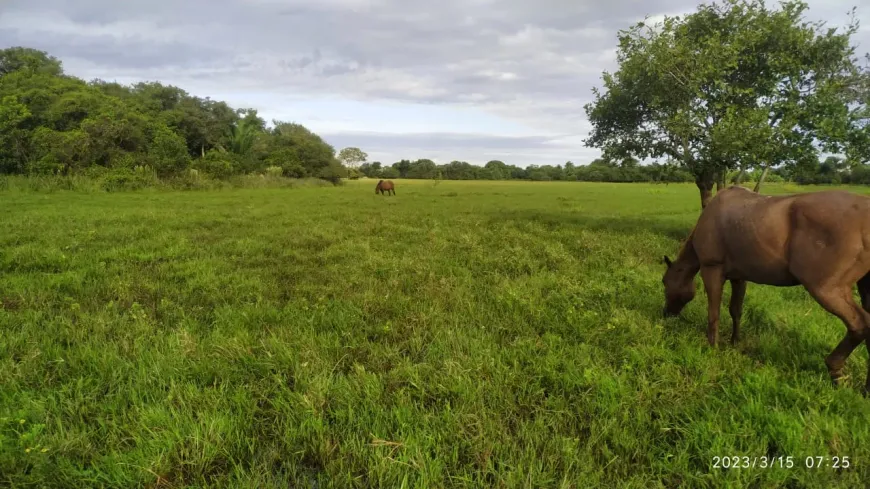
[(471, 80)]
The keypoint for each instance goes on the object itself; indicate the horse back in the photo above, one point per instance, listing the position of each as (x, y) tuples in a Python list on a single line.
[(766, 239), (748, 234)]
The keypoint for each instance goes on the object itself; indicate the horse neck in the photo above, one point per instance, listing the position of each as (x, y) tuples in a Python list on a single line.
[(689, 257)]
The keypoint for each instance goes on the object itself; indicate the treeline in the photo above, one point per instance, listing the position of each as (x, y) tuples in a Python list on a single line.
[(599, 170), (53, 123), (831, 170)]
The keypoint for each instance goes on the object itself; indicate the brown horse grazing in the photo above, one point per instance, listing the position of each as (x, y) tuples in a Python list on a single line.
[(385, 186), (819, 240)]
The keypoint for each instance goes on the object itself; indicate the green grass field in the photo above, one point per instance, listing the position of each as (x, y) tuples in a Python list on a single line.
[(458, 334)]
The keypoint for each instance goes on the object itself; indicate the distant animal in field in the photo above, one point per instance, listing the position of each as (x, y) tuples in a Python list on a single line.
[(819, 240), (385, 186)]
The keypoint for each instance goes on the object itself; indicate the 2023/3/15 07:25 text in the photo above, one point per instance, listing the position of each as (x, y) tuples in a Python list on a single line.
[(784, 462)]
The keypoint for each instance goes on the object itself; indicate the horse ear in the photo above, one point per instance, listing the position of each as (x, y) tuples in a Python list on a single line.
[(667, 261)]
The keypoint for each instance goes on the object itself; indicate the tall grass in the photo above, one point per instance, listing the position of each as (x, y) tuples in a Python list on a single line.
[(126, 181), (458, 334)]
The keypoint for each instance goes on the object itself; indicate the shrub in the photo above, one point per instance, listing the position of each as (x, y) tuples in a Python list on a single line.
[(129, 179)]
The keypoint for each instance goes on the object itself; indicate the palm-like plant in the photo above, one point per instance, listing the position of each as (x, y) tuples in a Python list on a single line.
[(241, 136)]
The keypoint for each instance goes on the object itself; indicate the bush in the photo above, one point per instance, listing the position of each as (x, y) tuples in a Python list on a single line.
[(332, 173), (168, 152), (860, 175), (216, 164), (129, 179)]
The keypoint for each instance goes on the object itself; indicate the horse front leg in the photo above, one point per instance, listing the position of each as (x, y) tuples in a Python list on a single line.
[(735, 308), (713, 283)]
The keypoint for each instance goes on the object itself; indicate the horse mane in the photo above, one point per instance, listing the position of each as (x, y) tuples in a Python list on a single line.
[(686, 245)]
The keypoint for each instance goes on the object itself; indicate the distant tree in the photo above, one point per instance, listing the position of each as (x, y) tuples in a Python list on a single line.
[(498, 170), (371, 170), (389, 172), (352, 157), (403, 167), (29, 60), (54, 123), (300, 152), (422, 169)]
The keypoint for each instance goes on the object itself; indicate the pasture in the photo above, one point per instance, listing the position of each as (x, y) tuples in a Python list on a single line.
[(457, 334)]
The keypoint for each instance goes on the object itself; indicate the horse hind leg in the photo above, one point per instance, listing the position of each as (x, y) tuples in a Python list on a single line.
[(840, 303)]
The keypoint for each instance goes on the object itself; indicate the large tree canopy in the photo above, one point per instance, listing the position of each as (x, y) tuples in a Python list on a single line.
[(53, 123), (735, 84)]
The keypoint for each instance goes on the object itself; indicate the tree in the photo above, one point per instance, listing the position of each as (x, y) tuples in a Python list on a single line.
[(242, 136), (371, 170), (54, 123), (403, 167), (734, 83), (423, 169), (858, 147), (300, 152), (33, 61), (13, 134), (352, 157), (498, 170), (389, 172), (167, 152)]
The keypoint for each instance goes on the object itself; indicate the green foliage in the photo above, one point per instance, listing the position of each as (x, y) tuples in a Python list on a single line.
[(242, 135), (352, 157), (598, 171), (13, 134), (58, 152), (274, 171), (56, 124), (371, 170), (389, 172), (735, 83), (216, 163), (167, 153), (300, 151), (28, 60), (129, 179)]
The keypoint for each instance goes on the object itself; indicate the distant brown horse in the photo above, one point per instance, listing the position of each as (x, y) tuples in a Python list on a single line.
[(819, 240), (385, 186)]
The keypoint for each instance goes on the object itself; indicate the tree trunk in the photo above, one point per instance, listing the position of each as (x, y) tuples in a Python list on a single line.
[(720, 181), (705, 185), (739, 179), (761, 179)]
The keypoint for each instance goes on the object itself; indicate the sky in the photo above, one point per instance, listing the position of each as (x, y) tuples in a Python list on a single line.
[(469, 80)]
